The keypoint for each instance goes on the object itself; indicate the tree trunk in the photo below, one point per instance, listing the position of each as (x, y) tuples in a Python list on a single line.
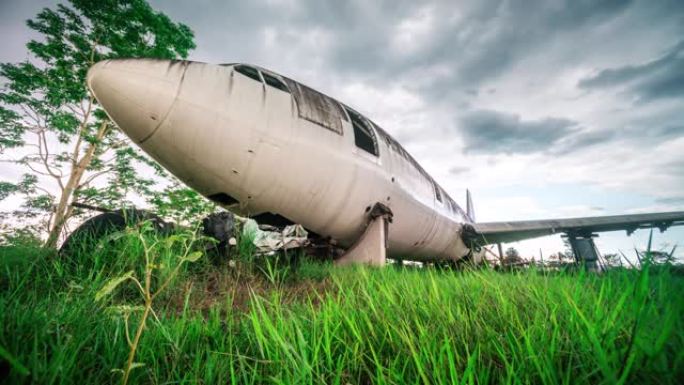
[(62, 212)]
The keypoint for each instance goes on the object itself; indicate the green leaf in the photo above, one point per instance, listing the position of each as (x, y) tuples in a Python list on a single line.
[(111, 238), (13, 362), (133, 366), (47, 93), (193, 257), (170, 240), (7, 189), (74, 286), (112, 284)]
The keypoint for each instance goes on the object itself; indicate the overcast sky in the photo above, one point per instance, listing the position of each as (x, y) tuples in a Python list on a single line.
[(542, 108)]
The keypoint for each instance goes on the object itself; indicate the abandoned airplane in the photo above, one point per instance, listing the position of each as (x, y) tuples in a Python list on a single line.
[(262, 145)]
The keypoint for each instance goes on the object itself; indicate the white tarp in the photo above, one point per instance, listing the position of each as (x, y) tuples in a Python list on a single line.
[(267, 242)]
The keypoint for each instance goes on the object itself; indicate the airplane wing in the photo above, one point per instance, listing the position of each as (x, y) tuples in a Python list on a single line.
[(496, 232)]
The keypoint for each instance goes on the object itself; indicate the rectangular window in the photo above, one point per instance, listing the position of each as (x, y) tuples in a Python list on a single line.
[(274, 82), (248, 71), (364, 137), (316, 107), (438, 194)]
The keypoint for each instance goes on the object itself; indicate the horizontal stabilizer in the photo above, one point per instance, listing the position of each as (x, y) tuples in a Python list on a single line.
[(470, 209), (496, 232)]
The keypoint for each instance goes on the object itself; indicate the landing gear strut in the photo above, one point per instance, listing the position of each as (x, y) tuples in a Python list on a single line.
[(584, 249), (371, 247)]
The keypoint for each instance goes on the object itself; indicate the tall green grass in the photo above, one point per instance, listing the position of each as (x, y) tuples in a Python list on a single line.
[(312, 323)]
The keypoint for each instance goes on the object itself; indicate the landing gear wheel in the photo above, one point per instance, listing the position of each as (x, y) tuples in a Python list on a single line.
[(104, 224)]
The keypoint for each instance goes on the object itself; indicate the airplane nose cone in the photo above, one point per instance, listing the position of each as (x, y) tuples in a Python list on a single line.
[(136, 93)]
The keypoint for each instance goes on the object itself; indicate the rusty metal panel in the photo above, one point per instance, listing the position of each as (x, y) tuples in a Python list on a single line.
[(317, 107)]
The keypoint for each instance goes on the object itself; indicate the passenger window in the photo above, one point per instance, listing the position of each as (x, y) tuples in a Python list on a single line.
[(364, 138), (317, 107), (274, 82), (249, 72)]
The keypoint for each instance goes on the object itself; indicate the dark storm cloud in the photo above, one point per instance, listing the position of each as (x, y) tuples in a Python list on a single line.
[(657, 79), (465, 47), (488, 131), (472, 40), (672, 131), (505, 32)]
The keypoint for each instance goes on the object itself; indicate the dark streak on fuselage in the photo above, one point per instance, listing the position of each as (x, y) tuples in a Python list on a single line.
[(322, 103)]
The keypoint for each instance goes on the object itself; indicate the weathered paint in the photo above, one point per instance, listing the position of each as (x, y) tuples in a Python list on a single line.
[(371, 247), (317, 107), (291, 154)]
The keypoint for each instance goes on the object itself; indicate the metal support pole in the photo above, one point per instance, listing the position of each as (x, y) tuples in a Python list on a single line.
[(584, 250), (500, 254)]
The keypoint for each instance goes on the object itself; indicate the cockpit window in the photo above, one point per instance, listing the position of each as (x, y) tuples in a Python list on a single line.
[(274, 82), (438, 193), (364, 138), (248, 71)]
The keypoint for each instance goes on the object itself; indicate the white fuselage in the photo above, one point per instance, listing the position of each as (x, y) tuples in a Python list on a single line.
[(222, 132)]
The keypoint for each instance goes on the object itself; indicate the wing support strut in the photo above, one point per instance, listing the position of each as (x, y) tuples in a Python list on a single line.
[(584, 249), (371, 247)]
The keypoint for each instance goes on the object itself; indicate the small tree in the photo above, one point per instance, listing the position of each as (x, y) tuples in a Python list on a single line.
[(658, 257), (512, 257), (54, 124), (561, 259), (162, 259)]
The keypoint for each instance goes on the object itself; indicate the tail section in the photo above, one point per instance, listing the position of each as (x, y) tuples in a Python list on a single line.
[(470, 210)]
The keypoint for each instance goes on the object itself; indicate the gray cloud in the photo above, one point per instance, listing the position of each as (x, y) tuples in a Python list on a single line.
[(671, 131), (661, 130), (15, 34), (509, 31), (659, 78), (456, 58), (458, 170), (674, 166), (492, 131), (460, 62), (582, 139), (472, 41), (671, 200)]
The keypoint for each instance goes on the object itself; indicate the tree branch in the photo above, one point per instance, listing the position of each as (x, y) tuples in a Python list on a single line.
[(93, 177), (28, 164), (84, 125), (44, 155)]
